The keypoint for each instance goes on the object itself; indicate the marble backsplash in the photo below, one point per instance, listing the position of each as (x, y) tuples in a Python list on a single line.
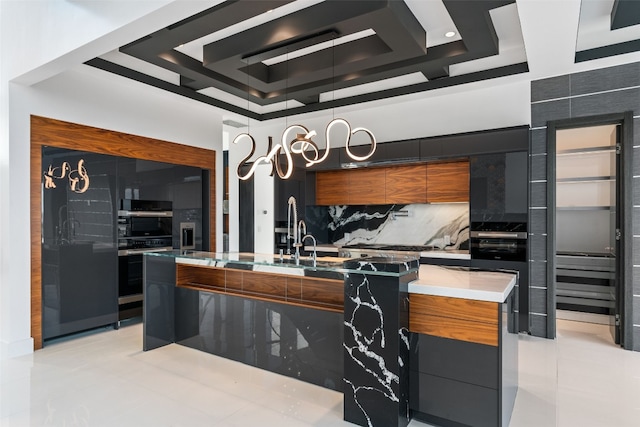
[(414, 224)]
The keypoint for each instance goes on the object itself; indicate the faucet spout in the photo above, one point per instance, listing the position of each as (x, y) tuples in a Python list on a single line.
[(302, 230), (314, 256), (292, 234)]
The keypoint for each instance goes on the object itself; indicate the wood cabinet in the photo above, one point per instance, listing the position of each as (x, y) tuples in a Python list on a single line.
[(454, 318), (366, 187), (313, 292), (463, 361), (406, 184), (439, 182), (331, 188), (448, 182)]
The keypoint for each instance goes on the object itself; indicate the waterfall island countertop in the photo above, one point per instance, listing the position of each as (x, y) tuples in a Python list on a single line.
[(463, 282)]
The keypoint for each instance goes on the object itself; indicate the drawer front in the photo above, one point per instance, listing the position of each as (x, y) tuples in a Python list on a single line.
[(455, 318), (457, 308), (447, 327), (458, 360), (456, 401)]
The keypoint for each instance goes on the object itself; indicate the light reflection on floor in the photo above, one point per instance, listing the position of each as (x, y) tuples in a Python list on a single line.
[(104, 379)]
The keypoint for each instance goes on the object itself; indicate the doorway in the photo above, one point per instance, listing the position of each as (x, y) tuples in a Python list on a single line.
[(587, 217)]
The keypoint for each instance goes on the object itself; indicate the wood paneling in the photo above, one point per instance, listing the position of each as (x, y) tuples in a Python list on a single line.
[(325, 294), (36, 246), (455, 318), (294, 288), (323, 290), (56, 133), (448, 182), (331, 188), (366, 187), (406, 184), (206, 276), (266, 284), (457, 308), (447, 327), (434, 182), (233, 280)]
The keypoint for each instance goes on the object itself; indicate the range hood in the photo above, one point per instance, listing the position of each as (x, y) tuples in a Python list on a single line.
[(388, 162)]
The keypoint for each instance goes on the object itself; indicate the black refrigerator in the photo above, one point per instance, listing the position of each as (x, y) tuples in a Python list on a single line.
[(79, 241)]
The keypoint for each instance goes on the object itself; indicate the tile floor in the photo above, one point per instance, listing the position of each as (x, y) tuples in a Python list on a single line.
[(105, 379)]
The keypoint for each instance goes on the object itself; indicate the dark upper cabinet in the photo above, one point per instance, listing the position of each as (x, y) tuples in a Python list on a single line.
[(430, 148), (466, 144), (498, 187), (331, 162), (408, 150), (285, 188)]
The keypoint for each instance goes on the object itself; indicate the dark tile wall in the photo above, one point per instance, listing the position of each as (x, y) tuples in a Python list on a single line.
[(591, 93)]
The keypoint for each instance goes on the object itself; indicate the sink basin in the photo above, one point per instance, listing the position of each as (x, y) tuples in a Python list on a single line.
[(326, 261)]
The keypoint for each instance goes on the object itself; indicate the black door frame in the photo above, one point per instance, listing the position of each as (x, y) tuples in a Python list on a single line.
[(625, 175)]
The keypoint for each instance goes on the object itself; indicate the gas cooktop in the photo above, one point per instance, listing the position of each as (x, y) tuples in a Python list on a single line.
[(383, 247)]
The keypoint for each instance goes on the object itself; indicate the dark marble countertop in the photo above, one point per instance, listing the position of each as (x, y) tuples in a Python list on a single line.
[(382, 266)]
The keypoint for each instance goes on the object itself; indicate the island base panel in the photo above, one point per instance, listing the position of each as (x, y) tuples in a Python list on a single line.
[(298, 342)]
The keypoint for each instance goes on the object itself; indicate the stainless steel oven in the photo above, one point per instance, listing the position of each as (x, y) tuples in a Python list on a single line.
[(504, 241), (143, 226)]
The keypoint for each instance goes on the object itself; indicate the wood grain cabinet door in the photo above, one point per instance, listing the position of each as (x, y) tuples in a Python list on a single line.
[(406, 184), (448, 182), (366, 186), (332, 187)]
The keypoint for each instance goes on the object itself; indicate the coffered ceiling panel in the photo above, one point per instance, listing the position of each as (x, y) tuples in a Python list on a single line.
[(268, 58)]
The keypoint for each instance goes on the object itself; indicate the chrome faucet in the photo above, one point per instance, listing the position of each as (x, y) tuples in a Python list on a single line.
[(314, 256), (299, 230), (302, 230), (291, 207)]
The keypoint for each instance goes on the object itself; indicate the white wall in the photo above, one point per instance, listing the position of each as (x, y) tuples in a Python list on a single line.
[(434, 113), (41, 38), (45, 41)]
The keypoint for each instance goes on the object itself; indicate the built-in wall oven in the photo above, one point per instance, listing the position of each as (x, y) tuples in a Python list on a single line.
[(503, 246), (143, 226), (506, 241)]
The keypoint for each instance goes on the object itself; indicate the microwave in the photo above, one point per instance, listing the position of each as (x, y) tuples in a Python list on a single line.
[(155, 220)]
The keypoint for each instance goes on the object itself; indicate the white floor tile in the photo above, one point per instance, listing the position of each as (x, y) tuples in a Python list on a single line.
[(105, 379)]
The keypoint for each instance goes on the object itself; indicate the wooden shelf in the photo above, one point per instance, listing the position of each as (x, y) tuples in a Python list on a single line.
[(318, 293), (589, 150)]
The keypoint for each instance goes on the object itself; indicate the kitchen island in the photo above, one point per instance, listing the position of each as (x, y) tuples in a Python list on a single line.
[(341, 324), (464, 346)]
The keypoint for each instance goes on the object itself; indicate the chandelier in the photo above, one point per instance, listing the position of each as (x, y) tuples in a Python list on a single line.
[(302, 145)]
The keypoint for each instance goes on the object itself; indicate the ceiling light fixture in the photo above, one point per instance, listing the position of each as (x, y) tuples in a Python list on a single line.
[(449, 34), (302, 144)]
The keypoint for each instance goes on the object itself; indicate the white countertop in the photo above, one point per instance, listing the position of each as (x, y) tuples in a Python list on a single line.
[(448, 254), (463, 283)]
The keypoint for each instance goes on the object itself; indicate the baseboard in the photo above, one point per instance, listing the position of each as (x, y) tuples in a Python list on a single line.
[(16, 348)]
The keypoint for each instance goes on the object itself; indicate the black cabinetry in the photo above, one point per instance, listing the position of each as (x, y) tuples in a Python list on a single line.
[(474, 143), (81, 269), (498, 187), (521, 291), (79, 248), (465, 382)]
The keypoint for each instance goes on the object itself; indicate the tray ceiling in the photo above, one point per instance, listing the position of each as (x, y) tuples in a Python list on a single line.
[(272, 58)]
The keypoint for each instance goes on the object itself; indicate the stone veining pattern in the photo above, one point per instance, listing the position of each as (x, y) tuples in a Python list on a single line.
[(413, 224), (362, 352)]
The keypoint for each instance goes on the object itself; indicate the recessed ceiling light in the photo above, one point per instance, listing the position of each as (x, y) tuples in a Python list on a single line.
[(450, 34), (270, 10)]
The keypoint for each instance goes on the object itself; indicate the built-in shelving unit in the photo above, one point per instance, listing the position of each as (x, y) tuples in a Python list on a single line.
[(585, 222)]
